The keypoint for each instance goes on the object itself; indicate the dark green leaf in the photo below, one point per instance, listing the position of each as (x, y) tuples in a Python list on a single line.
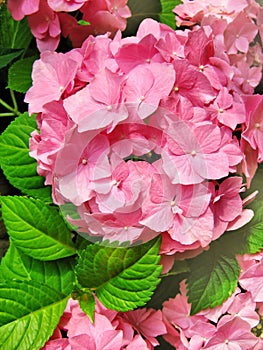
[(214, 275), (58, 274), (123, 278), (29, 313), (13, 34), (8, 55), (36, 228), (18, 167), (19, 74)]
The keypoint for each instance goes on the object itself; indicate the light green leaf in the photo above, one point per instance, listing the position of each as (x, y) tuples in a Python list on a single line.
[(167, 16), (86, 301), (19, 74), (29, 313), (213, 277), (36, 228), (58, 274), (122, 278), (13, 34), (8, 55), (18, 167)]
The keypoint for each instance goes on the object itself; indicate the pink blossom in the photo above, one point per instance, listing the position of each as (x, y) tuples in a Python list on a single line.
[(226, 203), (98, 104), (53, 123), (45, 27), (254, 130), (191, 84), (232, 335), (51, 76), (133, 54), (192, 155), (239, 33), (65, 5), (244, 307), (146, 94), (106, 15), (173, 204), (229, 110), (21, 8), (251, 280), (110, 330), (148, 323)]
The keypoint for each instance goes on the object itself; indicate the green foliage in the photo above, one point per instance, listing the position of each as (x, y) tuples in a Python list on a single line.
[(8, 55), (213, 277), (19, 74), (58, 274), (253, 232), (122, 278), (29, 313), (86, 301), (214, 274), (36, 228), (13, 34), (167, 16), (18, 167)]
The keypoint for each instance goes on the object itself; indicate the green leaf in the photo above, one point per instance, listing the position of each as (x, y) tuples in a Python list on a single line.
[(122, 278), (167, 16), (8, 55), (253, 232), (19, 74), (58, 274), (214, 275), (19, 168), (13, 34), (29, 313), (86, 301), (36, 228)]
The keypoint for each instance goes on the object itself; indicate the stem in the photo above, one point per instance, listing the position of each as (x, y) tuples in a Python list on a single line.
[(14, 109), (3, 103), (7, 114), (14, 102)]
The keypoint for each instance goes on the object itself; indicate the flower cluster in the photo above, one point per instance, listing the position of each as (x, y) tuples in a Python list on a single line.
[(233, 325), (234, 26), (236, 29), (110, 330), (49, 19), (141, 133)]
